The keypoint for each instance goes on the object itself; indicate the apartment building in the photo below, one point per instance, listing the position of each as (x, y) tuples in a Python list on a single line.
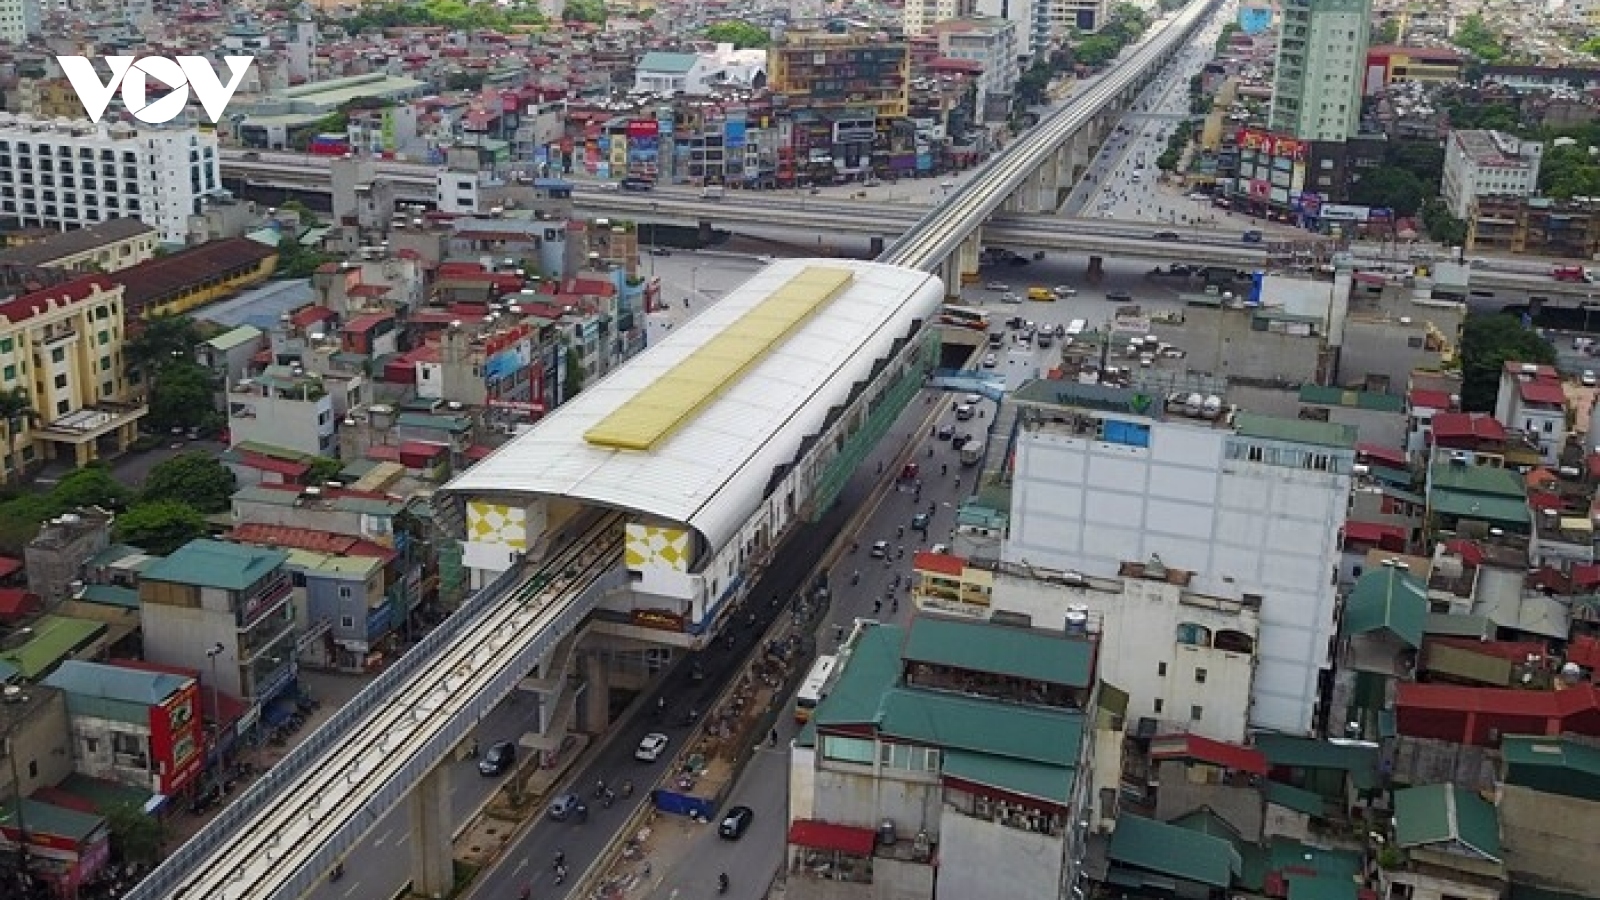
[(992, 44), (1250, 505), (948, 747), (284, 407), (827, 72), (1531, 400), (1537, 226), (1322, 56), (135, 727), (48, 98), (919, 16), (225, 611), (19, 20), (64, 175), (61, 347), (1488, 163), (1388, 65)]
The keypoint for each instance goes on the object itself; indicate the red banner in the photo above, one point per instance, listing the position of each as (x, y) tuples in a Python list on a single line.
[(643, 128), (1270, 144)]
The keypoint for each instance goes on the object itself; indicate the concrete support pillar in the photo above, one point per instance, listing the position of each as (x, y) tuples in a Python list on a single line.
[(706, 234), (597, 695), (1065, 175), (950, 272), (432, 845), (971, 250), (875, 247)]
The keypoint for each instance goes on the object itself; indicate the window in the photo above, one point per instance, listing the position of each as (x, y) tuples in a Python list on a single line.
[(63, 407), (1161, 669), (1199, 676), (345, 593), (851, 750), (905, 756), (347, 622), (1159, 704), (58, 355), (1195, 713), (61, 382)]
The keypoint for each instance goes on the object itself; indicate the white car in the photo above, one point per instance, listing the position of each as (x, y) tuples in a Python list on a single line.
[(1065, 290), (651, 748), (1010, 298), (1588, 378), (997, 286)]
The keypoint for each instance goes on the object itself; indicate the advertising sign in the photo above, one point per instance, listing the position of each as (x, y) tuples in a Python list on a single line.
[(643, 128), (1339, 212), (1269, 144), (735, 134), (1255, 19)]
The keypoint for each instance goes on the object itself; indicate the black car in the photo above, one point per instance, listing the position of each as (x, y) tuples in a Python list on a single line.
[(736, 822), (1165, 236), (1119, 296), (919, 522), (499, 758), (946, 432)]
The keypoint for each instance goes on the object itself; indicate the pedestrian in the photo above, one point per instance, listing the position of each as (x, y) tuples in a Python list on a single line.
[(772, 738)]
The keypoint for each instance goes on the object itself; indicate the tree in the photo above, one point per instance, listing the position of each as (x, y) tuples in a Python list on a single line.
[(1442, 225), (181, 397), (1387, 32), (196, 478), (574, 379), (1389, 187), (160, 528), (1569, 171), (162, 341), (741, 35), (1488, 342), (1096, 50), (593, 11), (324, 469), (135, 837), (92, 485), (20, 518), (1473, 34)]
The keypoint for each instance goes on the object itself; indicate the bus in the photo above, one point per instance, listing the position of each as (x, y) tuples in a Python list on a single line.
[(814, 688), (964, 317)]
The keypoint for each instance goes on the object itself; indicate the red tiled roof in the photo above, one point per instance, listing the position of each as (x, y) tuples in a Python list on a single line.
[(421, 448), (1585, 575), (307, 539), (369, 290), (383, 453), (1469, 551), (17, 602), (1394, 456), (273, 464), (1372, 532), (1455, 698), (939, 563), (9, 566), (158, 279), (1193, 746), (366, 322), (67, 293), (1515, 651), (310, 315), (1543, 392), (1478, 425), (1585, 651), (1426, 399), (1540, 372), (828, 836)]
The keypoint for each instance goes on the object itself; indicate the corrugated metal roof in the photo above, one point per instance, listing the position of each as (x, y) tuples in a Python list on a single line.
[(1170, 850), (1017, 652), (208, 563), (1388, 598), (712, 472), (1446, 814), (668, 402)]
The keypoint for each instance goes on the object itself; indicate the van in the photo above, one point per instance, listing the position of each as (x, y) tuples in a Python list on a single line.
[(1077, 327), (1041, 294)]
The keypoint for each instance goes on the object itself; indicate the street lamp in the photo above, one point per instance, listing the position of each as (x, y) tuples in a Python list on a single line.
[(215, 651)]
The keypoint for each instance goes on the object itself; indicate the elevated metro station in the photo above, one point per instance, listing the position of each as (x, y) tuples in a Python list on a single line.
[(703, 451)]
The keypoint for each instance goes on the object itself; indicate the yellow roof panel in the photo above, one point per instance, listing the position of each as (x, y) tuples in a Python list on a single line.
[(671, 400)]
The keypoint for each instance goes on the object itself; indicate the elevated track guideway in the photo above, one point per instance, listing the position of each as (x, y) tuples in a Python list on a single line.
[(282, 837)]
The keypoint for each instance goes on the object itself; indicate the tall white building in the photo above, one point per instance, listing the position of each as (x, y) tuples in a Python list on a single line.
[(1322, 53), (19, 19), (992, 43), (65, 175), (1486, 164), (1250, 505)]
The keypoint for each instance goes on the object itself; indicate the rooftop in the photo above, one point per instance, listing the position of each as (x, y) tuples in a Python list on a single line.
[(156, 280), (70, 243), (1388, 598), (1296, 431), (27, 306), (215, 564), (1446, 814), (1174, 851), (115, 682), (712, 469), (1017, 652)]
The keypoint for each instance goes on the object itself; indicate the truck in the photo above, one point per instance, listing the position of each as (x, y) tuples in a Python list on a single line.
[(1572, 273), (971, 453)]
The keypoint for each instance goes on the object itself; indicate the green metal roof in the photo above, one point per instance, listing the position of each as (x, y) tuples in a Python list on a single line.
[(956, 722), (1446, 814), (53, 639), (1450, 625), (1177, 852), (110, 595), (872, 667), (1288, 751), (1511, 510), (105, 795), (1206, 821), (1551, 765), (1387, 598), (1046, 782), (1295, 431), (663, 61), (1288, 855), (215, 564), (1321, 887), (1332, 396), (49, 819), (1016, 652), (1298, 799), (237, 337), (1476, 480)]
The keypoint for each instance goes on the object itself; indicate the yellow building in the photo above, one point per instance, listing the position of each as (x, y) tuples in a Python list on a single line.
[(189, 279), (62, 388), (942, 581), (107, 246), (49, 98), (1389, 65), (822, 71)]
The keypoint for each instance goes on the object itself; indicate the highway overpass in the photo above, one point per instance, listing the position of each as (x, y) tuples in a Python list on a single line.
[(282, 836)]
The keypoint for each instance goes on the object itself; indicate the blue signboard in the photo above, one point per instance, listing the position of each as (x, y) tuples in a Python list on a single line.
[(735, 134)]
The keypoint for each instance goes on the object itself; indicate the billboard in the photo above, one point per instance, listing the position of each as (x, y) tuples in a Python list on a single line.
[(1268, 144), (643, 128), (1255, 19), (734, 134), (176, 737), (650, 546), (496, 523)]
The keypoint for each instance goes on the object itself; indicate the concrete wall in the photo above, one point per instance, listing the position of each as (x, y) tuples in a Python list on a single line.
[(853, 795), (983, 859), (1549, 839), (1182, 792), (1241, 527)]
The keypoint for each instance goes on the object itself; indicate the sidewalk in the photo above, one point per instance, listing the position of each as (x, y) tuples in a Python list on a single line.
[(331, 690)]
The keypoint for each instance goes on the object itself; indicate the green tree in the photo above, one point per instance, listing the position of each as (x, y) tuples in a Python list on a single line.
[(1569, 171), (20, 518), (197, 479), (1096, 50), (160, 528), (593, 11), (1488, 342), (1387, 32), (92, 485), (454, 15), (324, 469), (135, 837), (574, 373), (1424, 159), (162, 341), (1473, 34), (1387, 186), (295, 260), (181, 397), (741, 35), (1442, 225)]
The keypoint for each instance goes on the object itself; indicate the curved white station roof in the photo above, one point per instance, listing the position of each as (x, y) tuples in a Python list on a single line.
[(711, 471)]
